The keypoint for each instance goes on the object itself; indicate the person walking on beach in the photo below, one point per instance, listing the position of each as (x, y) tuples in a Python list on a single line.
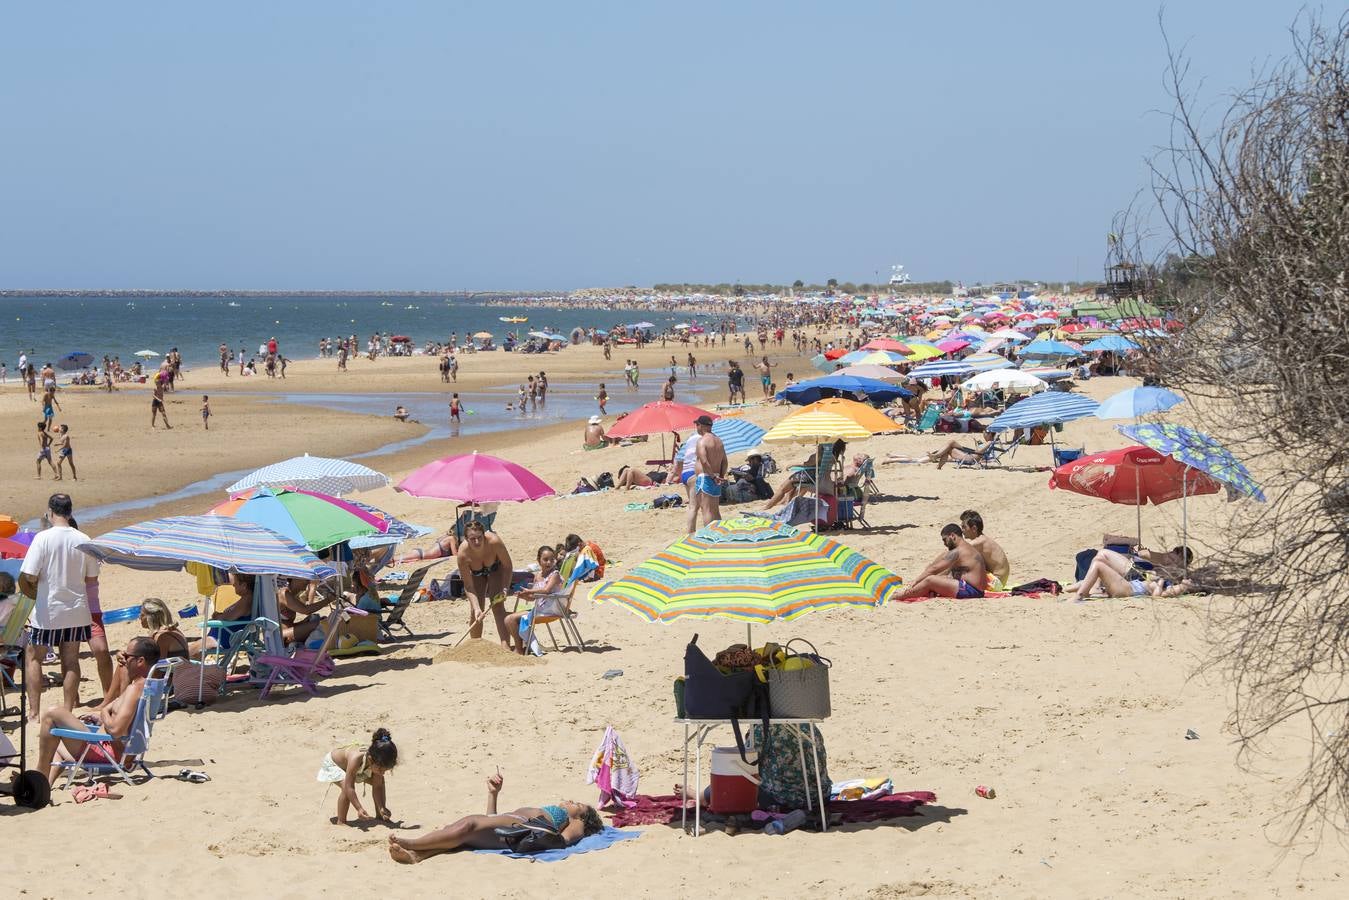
[(64, 453), (668, 392), (766, 376), (49, 405), (242, 354), (206, 412), (454, 367), (342, 357), (455, 409), (602, 398), (63, 580), (44, 449), (709, 474), (157, 401), (636, 375), (30, 377), (608, 349), (543, 386), (693, 367)]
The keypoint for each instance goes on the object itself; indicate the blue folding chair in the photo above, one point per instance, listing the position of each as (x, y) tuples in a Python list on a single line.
[(153, 705)]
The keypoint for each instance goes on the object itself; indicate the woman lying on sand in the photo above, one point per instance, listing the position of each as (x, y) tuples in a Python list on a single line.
[(568, 819), (1106, 572)]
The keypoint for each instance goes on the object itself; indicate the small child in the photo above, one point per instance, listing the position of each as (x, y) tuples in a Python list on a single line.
[(455, 408), (602, 398), (206, 412), (64, 453), (350, 764)]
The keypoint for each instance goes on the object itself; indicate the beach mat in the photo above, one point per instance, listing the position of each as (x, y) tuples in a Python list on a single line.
[(665, 809), (600, 841)]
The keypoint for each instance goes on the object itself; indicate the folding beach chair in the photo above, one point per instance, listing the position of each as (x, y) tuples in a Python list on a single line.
[(12, 643), (1063, 456), (485, 513), (558, 609), (931, 413), (305, 667), (392, 617), (991, 455), (153, 705)]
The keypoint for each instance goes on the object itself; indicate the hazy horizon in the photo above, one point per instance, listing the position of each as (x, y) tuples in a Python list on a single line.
[(333, 146)]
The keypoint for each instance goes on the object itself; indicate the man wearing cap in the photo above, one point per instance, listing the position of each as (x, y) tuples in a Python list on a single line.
[(594, 435), (709, 474)]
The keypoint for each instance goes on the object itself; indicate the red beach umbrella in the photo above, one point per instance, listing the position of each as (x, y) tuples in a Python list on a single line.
[(657, 418)]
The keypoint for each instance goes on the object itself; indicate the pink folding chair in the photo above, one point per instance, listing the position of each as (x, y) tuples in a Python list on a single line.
[(305, 667)]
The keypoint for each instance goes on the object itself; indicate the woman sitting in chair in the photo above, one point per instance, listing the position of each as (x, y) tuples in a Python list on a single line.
[(803, 476), (559, 825), (547, 581)]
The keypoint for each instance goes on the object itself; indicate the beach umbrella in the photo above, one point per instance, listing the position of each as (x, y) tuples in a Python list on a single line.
[(1194, 448), (316, 520), (12, 549), (870, 370), (1049, 347), (823, 364), (1048, 408), (539, 334), (1007, 379), (835, 353), (657, 417), (889, 344), (313, 473), (986, 362), (146, 354), (1111, 342), (874, 358), (483, 335), (166, 545), (555, 337), (398, 530), (836, 383), (868, 417), (737, 435), (1132, 475), (752, 570), (921, 351), (951, 345), (815, 427), (941, 368), (76, 359), (1137, 401), (475, 478), (9, 526), (1009, 334), (642, 325)]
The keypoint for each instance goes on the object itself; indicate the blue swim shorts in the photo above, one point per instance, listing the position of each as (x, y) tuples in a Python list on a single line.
[(707, 484)]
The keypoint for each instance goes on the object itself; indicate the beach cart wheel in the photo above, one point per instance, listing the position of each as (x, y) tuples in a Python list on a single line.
[(32, 790)]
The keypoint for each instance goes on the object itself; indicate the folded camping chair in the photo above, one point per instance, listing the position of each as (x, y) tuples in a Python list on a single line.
[(928, 421), (392, 617), (1062, 457), (12, 642), (566, 620), (868, 472), (153, 705), (305, 667), (485, 513)]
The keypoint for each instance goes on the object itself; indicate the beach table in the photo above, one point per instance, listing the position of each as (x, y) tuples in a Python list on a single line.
[(696, 732)]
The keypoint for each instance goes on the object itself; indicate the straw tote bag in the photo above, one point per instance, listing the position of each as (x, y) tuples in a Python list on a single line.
[(798, 685)]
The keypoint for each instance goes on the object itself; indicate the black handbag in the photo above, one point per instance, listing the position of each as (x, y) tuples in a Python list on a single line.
[(532, 836), (710, 693)]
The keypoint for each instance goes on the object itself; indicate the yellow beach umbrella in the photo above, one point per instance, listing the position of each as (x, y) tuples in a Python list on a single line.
[(807, 426), (923, 351), (870, 418)]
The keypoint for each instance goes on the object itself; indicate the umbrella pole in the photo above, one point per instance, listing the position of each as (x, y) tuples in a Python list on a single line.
[(1185, 522), (1138, 505)]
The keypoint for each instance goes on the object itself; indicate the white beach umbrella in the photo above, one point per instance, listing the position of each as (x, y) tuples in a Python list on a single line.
[(1008, 379)]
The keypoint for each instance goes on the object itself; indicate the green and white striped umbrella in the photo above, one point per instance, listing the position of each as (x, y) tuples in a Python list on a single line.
[(752, 570)]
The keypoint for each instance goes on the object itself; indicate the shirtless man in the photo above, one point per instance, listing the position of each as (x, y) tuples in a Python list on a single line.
[(959, 572), (485, 565), (972, 524), (766, 376), (157, 401), (115, 718), (709, 474), (594, 434), (224, 359)]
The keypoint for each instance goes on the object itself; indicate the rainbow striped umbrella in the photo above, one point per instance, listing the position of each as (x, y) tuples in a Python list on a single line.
[(165, 545), (752, 570), (309, 518)]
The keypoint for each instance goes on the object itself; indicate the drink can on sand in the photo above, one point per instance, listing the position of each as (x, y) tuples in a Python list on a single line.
[(986, 792)]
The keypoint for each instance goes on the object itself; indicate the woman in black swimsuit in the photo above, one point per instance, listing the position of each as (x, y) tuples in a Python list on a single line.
[(485, 565)]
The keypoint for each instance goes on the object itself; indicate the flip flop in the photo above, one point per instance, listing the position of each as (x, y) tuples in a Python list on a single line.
[(194, 777)]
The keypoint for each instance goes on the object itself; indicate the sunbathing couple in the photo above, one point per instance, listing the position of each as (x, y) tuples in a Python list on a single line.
[(1123, 576), (973, 563)]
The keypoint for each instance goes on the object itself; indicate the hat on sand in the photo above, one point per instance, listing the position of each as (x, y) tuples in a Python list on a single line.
[(703, 420), (594, 420)]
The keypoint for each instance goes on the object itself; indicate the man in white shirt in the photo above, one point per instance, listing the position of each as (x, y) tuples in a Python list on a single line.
[(63, 581)]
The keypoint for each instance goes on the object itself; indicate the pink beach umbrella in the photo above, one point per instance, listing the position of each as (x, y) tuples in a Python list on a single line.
[(475, 478)]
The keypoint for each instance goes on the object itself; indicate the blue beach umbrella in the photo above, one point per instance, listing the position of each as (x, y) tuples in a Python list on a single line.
[(1048, 408), (824, 365), (831, 385), (1197, 450), (1138, 401), (987, 362), (1115, 343), (1048, 347), (940, 368), (736, 435), (76, 359)]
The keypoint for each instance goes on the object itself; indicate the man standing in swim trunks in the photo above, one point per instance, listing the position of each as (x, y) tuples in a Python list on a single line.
[(709, 474), (157, 400), (959, 572), (766, 376)]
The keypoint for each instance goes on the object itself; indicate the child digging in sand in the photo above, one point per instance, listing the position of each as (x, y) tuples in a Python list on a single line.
[(350, 764)]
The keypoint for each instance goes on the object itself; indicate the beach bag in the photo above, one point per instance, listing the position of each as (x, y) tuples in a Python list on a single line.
[(710, 693), (584, 487), (604, 480), (197, 684), (769, 466), (783, 784), (532, 836), (658, 476), (798, 684)]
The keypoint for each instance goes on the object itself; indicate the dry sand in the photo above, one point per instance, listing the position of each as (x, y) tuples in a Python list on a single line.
[(1076, 713)]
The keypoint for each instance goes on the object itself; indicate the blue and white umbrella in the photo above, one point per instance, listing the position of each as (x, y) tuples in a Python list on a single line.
[(1114, 343), (1137, 401), (831, 385), (736, 435), (1048, 408), (1197, 450), (940, 368), (76, 359), (313, 473), (987, 362), (398, 532)]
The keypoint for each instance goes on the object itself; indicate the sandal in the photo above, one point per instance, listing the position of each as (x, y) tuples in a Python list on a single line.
[(95, 792), (194, 777)]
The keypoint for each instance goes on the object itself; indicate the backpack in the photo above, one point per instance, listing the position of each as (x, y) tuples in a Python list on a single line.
[(604, 480), (710, 693), (583, 487)]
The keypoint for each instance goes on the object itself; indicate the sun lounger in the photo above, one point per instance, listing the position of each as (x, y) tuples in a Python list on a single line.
[(392, 617)]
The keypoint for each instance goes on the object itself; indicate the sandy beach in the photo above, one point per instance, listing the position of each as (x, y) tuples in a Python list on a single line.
[(1076, 713)]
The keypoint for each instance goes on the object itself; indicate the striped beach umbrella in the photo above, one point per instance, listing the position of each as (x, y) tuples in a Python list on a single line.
[(313, 473), (1196, 449), (737, 436), (1048, 408), (941, 367), (752, 570), (165, 545), (815, 427)]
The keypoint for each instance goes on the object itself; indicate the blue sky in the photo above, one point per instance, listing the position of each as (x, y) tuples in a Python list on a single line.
[(497, 145)]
